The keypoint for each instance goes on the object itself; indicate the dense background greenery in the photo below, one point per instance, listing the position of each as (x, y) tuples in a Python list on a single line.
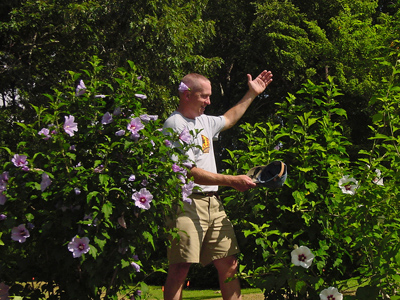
[(349, 47), (297, 40)]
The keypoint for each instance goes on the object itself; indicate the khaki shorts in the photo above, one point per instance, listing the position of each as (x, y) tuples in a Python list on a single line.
[(205, 232)]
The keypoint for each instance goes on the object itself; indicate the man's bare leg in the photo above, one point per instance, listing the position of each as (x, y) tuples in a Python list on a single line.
[(175, 280), (227, 267)]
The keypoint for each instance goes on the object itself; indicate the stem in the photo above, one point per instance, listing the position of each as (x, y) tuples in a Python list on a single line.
[(112, 281)]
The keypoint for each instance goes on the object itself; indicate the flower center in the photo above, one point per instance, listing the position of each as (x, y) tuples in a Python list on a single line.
[(143, 199), (330, 297), (348, 188), (302, 257), (81, 247)]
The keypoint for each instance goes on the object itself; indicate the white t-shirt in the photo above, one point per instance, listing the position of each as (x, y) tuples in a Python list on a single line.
[(209, 127)]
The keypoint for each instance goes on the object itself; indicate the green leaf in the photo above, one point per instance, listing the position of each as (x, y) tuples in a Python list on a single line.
[(306, 169), (149, 237), (397, 257), (339, 111), (297, 286), (7, 149), (91, 195), (125, 263), (107, 209), (22, 125), (311, 186), (299, 197), (93, 251), (163, 270), (312, 121), (377, 117), (348, 239), (395, 88), (381, 136), (100, 242), (337, 262), (29, 217), (104, 178), (118, 190)]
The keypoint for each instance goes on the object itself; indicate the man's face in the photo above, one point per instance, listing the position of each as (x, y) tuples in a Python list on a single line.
[(199, 99)]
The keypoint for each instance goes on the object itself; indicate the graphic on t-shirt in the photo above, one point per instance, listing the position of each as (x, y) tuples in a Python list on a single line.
[(206, 144)]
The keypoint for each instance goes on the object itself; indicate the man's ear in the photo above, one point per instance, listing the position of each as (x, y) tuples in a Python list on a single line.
[(186, 95)]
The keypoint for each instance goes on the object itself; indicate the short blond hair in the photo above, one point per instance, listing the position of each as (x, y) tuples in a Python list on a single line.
[(193, 80)]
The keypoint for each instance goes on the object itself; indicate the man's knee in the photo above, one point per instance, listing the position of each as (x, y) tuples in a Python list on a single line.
[(179, 270), (227, 265)]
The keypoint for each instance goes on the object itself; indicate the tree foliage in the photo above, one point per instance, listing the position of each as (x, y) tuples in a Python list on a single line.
[(297, 40), (46, 38)]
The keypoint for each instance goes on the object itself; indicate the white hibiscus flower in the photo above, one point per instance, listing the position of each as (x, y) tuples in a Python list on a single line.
[(302, 256), (348, 185)]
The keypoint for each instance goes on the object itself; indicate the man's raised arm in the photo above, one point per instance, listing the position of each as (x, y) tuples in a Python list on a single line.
[(256, 87)]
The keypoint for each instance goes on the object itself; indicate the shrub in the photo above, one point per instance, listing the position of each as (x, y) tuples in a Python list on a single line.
[(345, 211), (87, 190)]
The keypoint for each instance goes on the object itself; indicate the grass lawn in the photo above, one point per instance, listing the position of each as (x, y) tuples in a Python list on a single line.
[(192, 294), (156, 293)]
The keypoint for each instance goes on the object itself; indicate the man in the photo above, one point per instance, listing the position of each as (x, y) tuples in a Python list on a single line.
[(206, 233)]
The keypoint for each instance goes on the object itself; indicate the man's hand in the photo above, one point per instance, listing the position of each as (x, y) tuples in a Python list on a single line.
[(242, 183), (259, 84)]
